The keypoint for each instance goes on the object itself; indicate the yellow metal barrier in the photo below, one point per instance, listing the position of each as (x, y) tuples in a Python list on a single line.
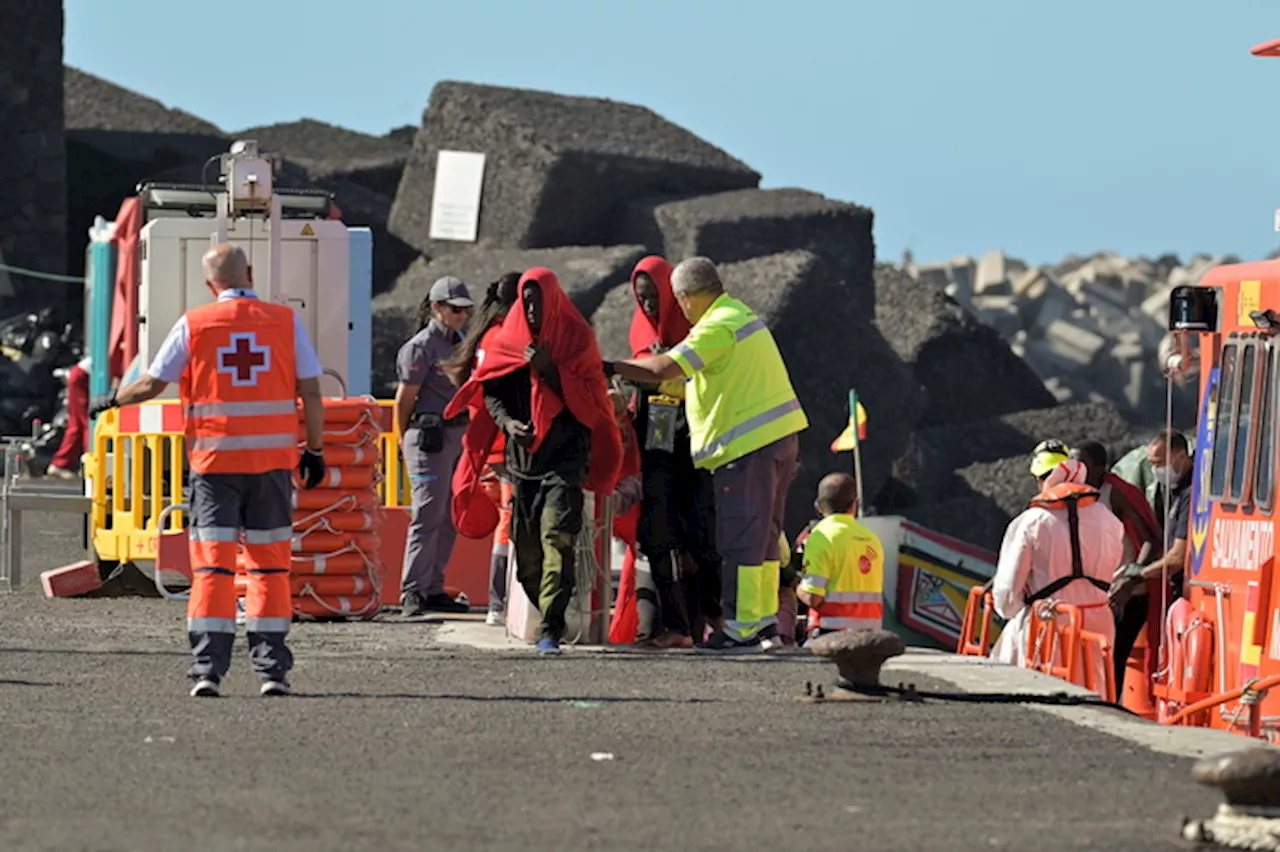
[(134, 477)]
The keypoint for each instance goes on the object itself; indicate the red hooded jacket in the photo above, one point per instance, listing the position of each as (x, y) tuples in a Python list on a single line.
[(571, 345), (671, 326)]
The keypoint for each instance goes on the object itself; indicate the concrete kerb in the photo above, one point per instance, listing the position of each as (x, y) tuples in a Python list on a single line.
[(976, 674), (968, 674)]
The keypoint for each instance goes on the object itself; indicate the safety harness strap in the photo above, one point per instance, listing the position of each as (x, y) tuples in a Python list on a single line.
[(1077, 560)]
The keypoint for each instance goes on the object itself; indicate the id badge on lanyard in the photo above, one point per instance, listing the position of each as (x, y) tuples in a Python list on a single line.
[(663, 421)]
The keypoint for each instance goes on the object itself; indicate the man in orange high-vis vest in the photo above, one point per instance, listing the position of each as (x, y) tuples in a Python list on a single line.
[(242, 364)]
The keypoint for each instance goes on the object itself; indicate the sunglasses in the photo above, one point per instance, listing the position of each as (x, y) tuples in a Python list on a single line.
[(455, 309)]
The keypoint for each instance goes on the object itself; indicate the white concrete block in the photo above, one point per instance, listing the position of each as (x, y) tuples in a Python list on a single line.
[(1074, 341), (992, 275)]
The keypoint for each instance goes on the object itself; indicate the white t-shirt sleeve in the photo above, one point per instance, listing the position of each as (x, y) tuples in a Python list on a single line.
[(306, 362), (171, 360)]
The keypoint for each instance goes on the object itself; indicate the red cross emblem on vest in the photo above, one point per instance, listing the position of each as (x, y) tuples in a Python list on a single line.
[(244, 359)]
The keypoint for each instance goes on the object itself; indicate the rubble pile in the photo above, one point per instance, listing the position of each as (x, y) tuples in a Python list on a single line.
[(1090, 327), (969, 479), (33, 189)]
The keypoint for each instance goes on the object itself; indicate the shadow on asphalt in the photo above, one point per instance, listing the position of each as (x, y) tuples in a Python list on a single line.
[(101, 652), (10, 682)]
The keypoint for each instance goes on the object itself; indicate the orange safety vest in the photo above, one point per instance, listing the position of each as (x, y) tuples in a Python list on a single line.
[(1070, 496), (239, 389)]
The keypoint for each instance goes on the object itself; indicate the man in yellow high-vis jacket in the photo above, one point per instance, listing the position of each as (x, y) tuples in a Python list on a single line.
[(743, 420)]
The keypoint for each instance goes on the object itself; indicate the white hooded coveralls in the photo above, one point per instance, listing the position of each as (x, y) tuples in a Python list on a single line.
[(1037, 550)]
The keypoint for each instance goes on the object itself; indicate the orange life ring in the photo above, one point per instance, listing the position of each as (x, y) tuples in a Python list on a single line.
[(347, 585), (338, 521), (336, 499), (360, 433), (1189, 668), (340, 562), (328, 542), (351, 409), (343, 455), (343, 477), (336, 606), (1197, 662)]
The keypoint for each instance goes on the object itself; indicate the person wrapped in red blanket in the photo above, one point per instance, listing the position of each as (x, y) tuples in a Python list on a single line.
[(677, 518), (498, 299), (541, 383)]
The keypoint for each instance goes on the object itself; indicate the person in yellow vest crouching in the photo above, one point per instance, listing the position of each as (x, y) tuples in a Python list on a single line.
[(842, 574), (743, 421)]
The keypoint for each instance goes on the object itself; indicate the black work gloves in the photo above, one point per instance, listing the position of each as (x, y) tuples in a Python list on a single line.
[(101, 404), (311, 467)]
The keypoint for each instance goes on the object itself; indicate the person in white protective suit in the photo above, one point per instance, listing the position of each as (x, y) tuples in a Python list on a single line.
[(1045, 556)]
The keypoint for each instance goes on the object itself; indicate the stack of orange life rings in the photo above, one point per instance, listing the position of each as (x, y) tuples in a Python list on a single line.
[(335, 525)]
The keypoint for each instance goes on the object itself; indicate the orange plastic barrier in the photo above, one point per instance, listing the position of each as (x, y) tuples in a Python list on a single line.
[(336, 564), (972, 643), (1066, 650)]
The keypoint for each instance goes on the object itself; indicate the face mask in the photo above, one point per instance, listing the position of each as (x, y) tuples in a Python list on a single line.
[(1165, 475)]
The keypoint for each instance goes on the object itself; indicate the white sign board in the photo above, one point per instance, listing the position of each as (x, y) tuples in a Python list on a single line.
[(455, 203)]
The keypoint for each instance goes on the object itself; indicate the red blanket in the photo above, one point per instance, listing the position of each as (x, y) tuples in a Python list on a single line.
[(1155, 614), (671, 326), (571, 345), (626, 618)]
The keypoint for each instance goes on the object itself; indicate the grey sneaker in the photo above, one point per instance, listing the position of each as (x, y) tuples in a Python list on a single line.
[(275, 687), (412, 605), (206, 687)]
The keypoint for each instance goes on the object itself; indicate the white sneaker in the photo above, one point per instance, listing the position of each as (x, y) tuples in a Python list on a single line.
[(60, 473), (495, 618), (275, 687), (205, 688)]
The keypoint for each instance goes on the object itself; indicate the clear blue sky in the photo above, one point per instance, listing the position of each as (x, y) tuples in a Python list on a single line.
[(1142, 126)]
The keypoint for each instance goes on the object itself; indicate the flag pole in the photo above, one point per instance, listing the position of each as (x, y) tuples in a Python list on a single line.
[(857, 446)]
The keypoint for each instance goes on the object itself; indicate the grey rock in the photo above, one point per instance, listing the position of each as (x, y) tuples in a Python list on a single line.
[(859, 654), (558, 169), (748, 223), (976, 519), (92, 103), (1249, 777), (33, 182), (117, 138), (990, 459), (336, 153), (966, 369), (585, 273), (827, 353), (612, 321)]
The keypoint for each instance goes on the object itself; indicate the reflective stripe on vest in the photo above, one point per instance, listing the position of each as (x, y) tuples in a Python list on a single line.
[(850, 611), (240, 388), (748, 402)]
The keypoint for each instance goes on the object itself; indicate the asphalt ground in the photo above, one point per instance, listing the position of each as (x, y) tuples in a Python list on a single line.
[(397, 741)]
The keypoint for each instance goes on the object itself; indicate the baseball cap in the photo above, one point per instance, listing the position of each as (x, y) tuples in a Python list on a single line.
[(451, 290), (1047, 455)]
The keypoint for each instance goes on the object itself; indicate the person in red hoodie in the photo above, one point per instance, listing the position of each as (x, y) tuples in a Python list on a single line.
[(542, 384), (1134, 602), (498, 299), (677, 515)]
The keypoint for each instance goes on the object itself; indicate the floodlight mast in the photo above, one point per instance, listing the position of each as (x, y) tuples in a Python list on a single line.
[(248, 180)]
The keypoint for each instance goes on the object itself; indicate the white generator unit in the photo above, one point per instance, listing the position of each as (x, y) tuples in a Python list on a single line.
[(298, 256)]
